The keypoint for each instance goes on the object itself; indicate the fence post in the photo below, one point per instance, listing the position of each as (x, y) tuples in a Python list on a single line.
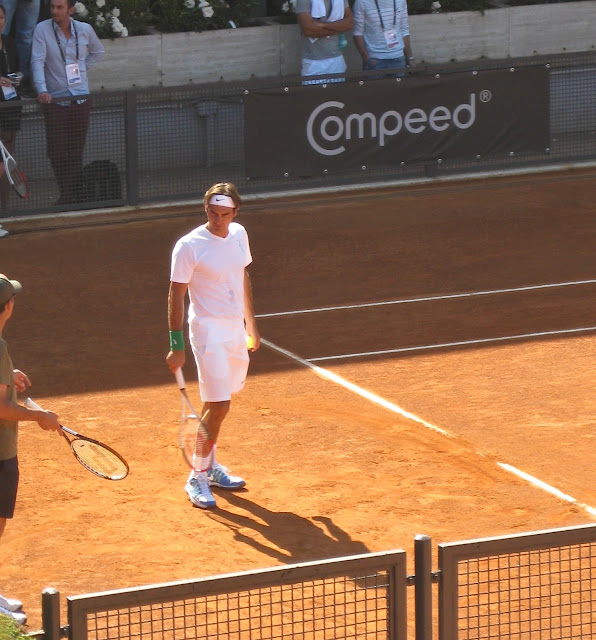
[(50, 613), (423, 587), (131, 145)]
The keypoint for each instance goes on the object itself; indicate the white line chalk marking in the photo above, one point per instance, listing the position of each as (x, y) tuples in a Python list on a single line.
[(449, 296), (368, 395), (461, 343), (372, 397), (546, 487)]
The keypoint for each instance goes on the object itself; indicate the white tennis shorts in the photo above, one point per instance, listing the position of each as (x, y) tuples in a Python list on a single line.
[(222, 368)]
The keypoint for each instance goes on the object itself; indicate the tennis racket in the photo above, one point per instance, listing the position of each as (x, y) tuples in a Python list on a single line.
[(95, 456), (193, 437), (15, 176)]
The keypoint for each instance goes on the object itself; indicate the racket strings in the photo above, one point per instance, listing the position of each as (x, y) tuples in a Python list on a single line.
[(194, 439), (16, 177), (99, 459), (202, 459)]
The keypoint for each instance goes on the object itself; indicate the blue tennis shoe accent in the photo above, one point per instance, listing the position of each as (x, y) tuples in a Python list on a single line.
[(199, 492), (12, 604), (219, 476), (16, 616)]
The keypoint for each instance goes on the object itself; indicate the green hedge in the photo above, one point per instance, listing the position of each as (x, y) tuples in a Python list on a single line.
[(9, 630), (121, 18)]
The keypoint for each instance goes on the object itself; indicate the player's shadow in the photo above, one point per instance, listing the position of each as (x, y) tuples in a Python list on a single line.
[(300, 538)]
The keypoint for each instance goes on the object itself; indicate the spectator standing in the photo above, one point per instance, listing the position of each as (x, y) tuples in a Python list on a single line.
[(11, 381), (25, 14), (323, 23), (63, 49), (382, 34), (10, 117)]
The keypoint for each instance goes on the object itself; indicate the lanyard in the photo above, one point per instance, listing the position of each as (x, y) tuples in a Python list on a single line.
[(6, 61), (74, 30), (394, 14)]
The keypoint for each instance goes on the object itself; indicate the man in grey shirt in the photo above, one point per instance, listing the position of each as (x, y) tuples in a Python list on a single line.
[(322, 22), (63, 49)]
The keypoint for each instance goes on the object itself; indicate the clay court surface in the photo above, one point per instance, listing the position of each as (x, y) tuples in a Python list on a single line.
[(329, 473)]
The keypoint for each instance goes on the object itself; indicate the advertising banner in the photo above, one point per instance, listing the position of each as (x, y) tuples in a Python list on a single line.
[(304, 131)]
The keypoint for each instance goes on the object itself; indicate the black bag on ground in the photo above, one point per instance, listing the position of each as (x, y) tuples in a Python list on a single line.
[(98, 181)]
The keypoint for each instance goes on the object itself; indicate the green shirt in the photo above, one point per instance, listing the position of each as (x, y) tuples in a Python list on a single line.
[(8, 428)]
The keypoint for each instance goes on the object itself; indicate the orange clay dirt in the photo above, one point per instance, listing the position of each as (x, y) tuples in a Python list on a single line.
[(328, 472)]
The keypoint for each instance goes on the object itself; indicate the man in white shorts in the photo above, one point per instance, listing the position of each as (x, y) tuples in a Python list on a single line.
[(210, 263)]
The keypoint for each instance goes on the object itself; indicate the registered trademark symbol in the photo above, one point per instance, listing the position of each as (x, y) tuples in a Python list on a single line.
[(485, 95)]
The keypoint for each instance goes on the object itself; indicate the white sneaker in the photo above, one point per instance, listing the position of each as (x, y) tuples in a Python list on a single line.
[(17, 616), (220, 476), (12, 604), (3, 232), (199, 492)]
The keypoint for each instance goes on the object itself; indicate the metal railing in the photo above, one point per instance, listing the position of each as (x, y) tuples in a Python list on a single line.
[(169, 144), (535, 585)]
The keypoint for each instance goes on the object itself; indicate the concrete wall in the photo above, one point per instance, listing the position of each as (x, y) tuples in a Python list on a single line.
[(273, 50)]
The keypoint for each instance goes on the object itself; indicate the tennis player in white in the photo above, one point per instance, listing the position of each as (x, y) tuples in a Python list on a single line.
[(210, 263)]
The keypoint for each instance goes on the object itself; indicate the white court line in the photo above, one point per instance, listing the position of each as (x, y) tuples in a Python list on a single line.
[(546, 487), (444, 345), (328, 375), (374, 398), (448, 296)]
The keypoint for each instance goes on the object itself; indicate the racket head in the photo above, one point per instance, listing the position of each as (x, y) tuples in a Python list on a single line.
[(196, 444), (95, 456), (193, 437), (16, 177), (98, 458)]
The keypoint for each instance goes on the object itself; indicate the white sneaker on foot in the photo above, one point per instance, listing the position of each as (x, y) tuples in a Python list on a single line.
[(3, 232), (199, 492), (220, 476), (12, 604), (17, 616)]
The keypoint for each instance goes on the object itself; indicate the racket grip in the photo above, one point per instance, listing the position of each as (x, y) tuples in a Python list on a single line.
[(32, 405), (180, 379)]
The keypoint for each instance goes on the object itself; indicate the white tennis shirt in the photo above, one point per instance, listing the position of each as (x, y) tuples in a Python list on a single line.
[(213, 268)]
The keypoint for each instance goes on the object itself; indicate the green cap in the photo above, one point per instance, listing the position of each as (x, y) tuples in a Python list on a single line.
[(8, 288)]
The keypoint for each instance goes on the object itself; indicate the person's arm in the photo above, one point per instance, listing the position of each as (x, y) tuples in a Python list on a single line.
[(249, 313), (95, 50), (313, 28), (9, 410), (345, 24), (5, 82), (359, 22), (38, 60), (21, 381), (361, 47), (176, 298), (405, 30), (408, 50)]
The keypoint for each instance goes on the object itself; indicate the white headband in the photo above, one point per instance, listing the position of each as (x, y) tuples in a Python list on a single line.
[(222, 201)]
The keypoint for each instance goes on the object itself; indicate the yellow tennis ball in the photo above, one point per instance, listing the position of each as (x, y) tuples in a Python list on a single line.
[(250, 343)]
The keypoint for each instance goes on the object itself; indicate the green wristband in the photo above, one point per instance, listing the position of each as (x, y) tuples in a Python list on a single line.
[(176, 341)]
